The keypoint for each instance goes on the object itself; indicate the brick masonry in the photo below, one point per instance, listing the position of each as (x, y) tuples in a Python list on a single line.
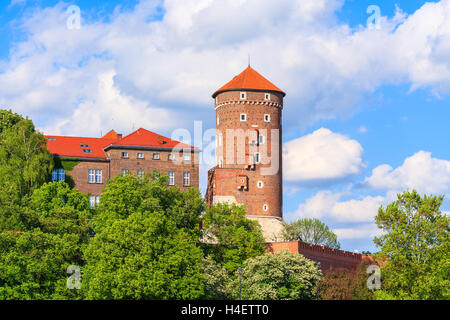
[(235, 153), (328, 258), (114, 164)]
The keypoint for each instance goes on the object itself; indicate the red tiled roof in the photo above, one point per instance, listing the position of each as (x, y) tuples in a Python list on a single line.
[(81, 147), (249, 79), (144, 138)]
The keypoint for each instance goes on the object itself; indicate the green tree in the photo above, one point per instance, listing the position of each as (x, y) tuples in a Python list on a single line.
[(8, 119), (125, 195), (145, 256), (34, 260), (278, 276), (416, 244), (311, 231), (147, 241), (232, 238), (336, 284), (216, 280), (25, 164)]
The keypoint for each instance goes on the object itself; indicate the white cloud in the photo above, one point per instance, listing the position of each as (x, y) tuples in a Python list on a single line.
[(321, 155), (110, 109), (359, 232), (420, 172), (176, 63), (330, 205)]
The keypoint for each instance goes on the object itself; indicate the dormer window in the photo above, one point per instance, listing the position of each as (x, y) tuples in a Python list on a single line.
[(243, 95), (87, 150)]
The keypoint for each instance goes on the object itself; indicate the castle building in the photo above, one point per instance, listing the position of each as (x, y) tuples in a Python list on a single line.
[(91, 162), (249, 167)]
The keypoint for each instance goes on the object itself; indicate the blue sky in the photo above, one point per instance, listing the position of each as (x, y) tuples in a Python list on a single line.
[(371, 107)]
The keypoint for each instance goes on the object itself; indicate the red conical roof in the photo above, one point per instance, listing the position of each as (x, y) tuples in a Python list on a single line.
[(249, 79)]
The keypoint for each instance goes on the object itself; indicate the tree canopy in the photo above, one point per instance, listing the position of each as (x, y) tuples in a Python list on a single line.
[(311, 231), (34, 260), (146, 244), (277, 276), (231, 237), (415, 248)]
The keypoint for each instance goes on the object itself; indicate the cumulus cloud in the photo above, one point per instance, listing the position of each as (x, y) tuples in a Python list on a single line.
[(331, 205), (369, 230), (175, 53), (321, 156), (420, 171)]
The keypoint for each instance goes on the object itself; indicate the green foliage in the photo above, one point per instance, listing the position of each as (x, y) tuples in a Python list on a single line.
[(216, 280), (34, 260), (360, 290), (277, 276), (336, 285), (125, 195), (25, 163), (8, 119), (66, 164), (233, 238), (344, 284), (416, 244), (33, 265), (311, 231), (144, 256), (146, 244)]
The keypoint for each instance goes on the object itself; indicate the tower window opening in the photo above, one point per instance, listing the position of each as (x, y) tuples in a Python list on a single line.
[(267, 96), (267, 118), (256, 157), (260, 184), (265, 207), (243, 117), (243, 95)]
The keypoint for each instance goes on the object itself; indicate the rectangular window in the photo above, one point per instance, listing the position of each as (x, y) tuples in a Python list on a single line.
[(91, 178), (124, 172), (61, 175), (256, 157), (156, 156), (171, 157), (140, 155), (171, 178), (55, 175), (94, 201), (261, 139), (186, 179), (98, 176), (91, 202), (187, 157), (124, 155), (243, 117), (140, 173)]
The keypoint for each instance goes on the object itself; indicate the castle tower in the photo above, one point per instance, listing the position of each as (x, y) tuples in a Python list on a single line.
[(249, 166)]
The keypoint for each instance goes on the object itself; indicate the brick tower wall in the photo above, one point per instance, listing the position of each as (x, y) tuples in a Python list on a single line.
[(229, 107)]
